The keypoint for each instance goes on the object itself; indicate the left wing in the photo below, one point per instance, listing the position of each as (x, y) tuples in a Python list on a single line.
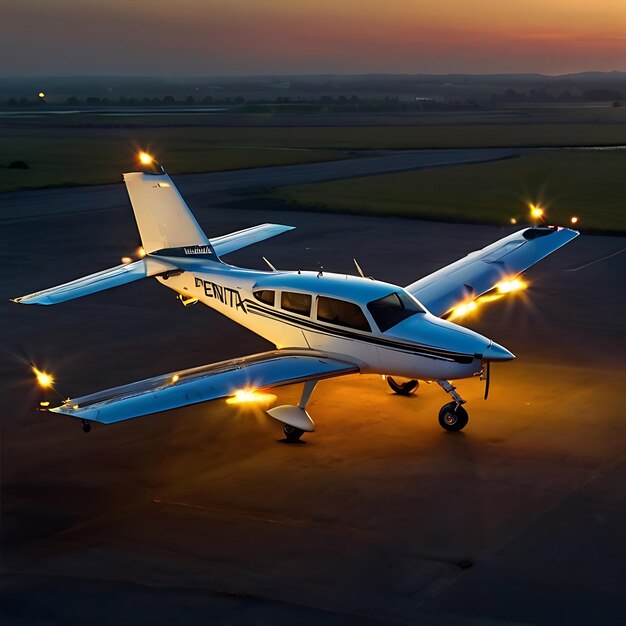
[(482, 270), (208, 382), (106, 279)]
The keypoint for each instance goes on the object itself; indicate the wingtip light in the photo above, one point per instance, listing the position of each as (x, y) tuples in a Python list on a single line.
[(145, 158), (43, 379), (536, 212)]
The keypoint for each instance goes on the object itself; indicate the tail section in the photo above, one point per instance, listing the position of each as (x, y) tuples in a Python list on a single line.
[(169, 235), (163, 218)]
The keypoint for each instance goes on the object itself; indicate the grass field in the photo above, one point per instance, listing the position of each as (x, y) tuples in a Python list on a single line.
[(91, 156), (90, 148), (588, 184)]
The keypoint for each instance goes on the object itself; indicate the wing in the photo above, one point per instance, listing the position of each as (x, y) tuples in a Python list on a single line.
[(480, 271), (242, 238), (112, 277), (208, 382)]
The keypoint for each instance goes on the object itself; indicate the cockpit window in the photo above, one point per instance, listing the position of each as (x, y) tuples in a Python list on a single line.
[(296, 302), (341, 313), (393, 309), (265, 295)]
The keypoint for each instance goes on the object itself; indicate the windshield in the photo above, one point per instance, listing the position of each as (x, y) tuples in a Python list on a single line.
[(393, 309)]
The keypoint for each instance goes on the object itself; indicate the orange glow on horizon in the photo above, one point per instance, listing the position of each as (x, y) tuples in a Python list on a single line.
[(355, 36)]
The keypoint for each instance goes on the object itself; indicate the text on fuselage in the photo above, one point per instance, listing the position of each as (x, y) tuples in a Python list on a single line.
[(225, 295)]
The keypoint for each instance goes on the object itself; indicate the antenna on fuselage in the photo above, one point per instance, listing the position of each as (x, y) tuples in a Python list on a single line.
[(270, 265), (360, 271), (358, 268)]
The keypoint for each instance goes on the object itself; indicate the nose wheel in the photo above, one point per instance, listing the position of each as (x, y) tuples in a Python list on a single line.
[(453, 417)]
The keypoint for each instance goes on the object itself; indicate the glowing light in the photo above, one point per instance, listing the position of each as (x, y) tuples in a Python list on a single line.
[(244, 396), (145, 158), (46, 403), (574, 220), (536, 212), (511, 285), (126, 259), (75, 406), (513, 220), (175, 378), (141, 252), (41, 94), (463, 309), (43, 379)]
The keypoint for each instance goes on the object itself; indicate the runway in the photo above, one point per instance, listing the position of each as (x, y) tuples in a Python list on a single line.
[(37, 203), (201, 515)]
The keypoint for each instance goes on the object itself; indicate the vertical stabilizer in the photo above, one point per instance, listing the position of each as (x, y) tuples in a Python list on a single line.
[(163, 218)]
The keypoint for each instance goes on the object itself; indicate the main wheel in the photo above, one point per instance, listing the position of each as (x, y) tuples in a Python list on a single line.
[(292, 433), (403, 389), (452, 417)]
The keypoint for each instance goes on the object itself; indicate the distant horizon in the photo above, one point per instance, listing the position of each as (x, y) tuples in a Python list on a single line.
[(242, 38), (310, 75)]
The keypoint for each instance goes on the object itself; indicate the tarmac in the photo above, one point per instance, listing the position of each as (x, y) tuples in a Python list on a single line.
[(203, 515)]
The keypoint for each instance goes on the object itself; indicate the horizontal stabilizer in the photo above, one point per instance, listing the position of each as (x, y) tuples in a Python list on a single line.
[(113, 277), (208, 382), (482, 270), (242, 238)]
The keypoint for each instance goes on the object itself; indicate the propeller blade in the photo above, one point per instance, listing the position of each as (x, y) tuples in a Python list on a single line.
[(487, 377)]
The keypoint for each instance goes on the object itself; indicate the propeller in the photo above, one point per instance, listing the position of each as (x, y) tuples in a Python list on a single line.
[(487, 375)]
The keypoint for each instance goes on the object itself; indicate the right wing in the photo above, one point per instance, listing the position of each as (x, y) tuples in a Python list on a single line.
[(208, 382), (482, 270), (242, 238)]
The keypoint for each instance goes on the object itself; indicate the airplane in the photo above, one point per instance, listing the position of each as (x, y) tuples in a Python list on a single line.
[(323, 325)]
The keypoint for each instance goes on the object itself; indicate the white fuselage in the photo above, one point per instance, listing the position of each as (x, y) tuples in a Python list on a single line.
[(421, 346)]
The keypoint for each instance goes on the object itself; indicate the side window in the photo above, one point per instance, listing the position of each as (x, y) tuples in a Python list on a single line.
[(266, 296), (296, 302), (341, 313)]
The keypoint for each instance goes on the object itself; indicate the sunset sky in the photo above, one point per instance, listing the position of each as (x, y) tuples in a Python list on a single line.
[(240, 37)]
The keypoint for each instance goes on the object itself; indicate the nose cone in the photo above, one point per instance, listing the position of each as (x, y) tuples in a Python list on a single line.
[(495, 352)]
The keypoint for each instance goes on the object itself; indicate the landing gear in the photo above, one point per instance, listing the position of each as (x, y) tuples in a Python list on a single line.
[(452, 416), (86, 426), (292, 433), (296, 421), (402, 389)]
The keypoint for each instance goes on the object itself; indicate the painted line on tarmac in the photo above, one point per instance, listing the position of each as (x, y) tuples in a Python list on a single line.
[(604, 258)]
